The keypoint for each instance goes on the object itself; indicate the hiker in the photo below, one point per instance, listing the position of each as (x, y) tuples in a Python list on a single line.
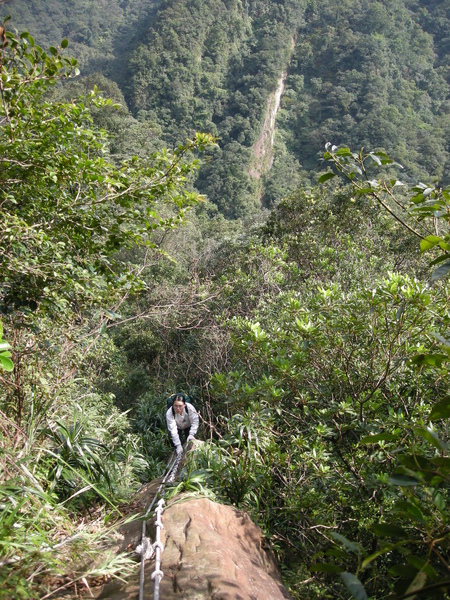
[(182, 422)]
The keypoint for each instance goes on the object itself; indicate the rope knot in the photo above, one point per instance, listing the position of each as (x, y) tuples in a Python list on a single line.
[(145, 549), (157, 573)]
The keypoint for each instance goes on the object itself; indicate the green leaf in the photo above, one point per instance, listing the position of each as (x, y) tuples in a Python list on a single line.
[(429, 360), (440, 338), (337, 552), (440, 411), (379, 437), (386, 548), (403, 480), (6, 363), (387, 530), (352, 546), (440, 271), (326, 568), (443, 462), (64, 43), (417, 584), (439, 501), (432, 437), (326, 177), (410, 509), (429, 242), (344, 152), (354, 586), (405, 571)]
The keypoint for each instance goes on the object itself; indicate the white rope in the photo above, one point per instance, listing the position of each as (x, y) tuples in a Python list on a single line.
[(146, 549), (174, 471), (157, 574)]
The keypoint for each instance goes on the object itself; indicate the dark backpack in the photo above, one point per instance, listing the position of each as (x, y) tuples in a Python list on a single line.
[(172, 398)]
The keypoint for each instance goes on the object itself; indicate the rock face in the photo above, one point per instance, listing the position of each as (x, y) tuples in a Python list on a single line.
[(215, 552), (212, 552)]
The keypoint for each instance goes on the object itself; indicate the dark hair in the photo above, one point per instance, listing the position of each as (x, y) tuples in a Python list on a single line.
[(180, 398)]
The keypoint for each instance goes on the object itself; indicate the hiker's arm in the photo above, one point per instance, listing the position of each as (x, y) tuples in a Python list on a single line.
[(172, 427), (193, 418)]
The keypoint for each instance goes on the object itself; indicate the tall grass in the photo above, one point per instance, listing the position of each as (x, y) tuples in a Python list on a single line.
[(58, 493)]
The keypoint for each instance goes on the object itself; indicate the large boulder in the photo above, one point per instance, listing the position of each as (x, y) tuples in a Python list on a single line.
[(216, 552), (212, 551)]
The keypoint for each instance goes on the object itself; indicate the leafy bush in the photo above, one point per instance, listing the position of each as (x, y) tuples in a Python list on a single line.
[(353, 443)]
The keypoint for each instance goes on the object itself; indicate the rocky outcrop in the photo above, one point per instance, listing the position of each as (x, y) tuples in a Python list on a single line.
[(215, 551), (212, 552), (263, 148)]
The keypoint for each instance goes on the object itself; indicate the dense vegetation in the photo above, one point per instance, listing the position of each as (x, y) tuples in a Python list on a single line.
[(369, 74), (71, 221), (311, 338)]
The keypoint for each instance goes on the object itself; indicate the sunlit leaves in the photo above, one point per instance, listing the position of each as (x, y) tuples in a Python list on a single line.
[(429, 205), (67, 211), (5, 361)]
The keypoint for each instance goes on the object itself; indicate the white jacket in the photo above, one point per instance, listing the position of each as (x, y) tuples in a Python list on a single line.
[(188, 418)]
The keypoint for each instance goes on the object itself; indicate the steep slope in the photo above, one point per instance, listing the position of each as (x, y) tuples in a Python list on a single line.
[(211, 65), (372, 75), (263, 147), (365, 74)]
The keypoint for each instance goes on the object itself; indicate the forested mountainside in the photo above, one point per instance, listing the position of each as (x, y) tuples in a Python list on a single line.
[(305, 310), (371, 74)]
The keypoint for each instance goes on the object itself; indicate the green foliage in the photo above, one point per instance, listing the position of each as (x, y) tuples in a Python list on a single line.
[(372, 74), (74, 454), (237, 468), (348, 413), (66, 210), (425, 214), (331, 385), (40, 538), (365, 74), (192, 483), (72, 223), (5, 360), (218, 82), (100, 33)]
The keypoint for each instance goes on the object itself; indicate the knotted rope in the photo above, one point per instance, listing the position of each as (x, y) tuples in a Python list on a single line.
[(146, 549), (157, 574)]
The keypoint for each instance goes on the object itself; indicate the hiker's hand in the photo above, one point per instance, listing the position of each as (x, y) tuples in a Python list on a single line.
[(189, 438), (179, 449)]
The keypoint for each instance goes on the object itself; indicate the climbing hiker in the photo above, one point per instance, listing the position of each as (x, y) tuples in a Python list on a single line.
[(182, 421)]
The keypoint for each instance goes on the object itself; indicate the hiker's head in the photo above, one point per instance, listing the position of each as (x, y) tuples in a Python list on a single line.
[(179, 403)]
